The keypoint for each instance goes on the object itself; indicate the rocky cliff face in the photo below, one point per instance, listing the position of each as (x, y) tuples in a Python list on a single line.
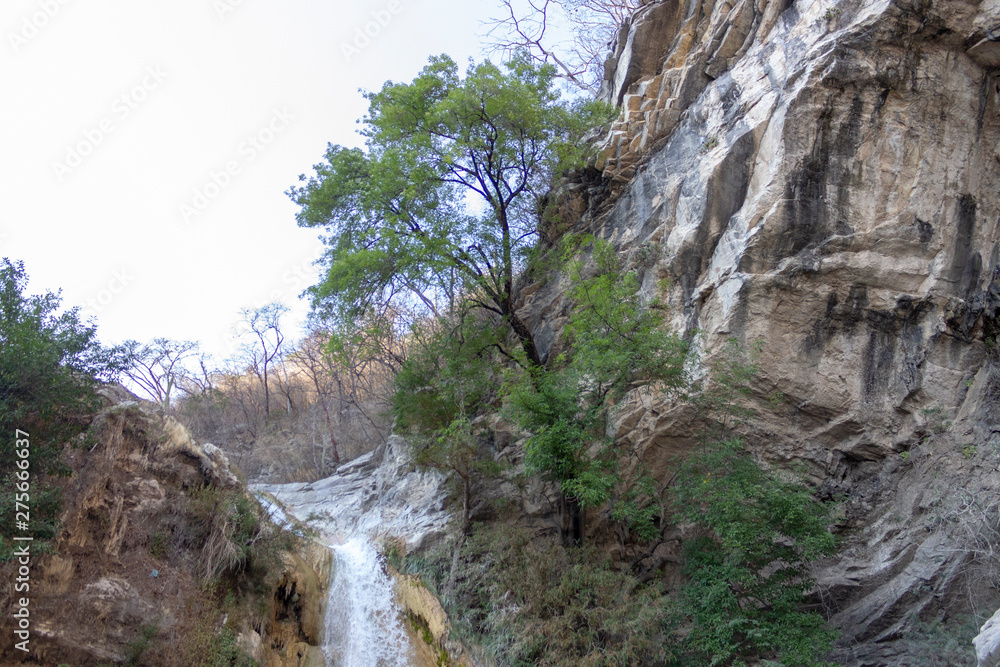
[(825, 177), (125, 580)]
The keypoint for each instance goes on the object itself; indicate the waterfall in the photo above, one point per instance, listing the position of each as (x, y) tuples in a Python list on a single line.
[(363, 626), (378, 494)]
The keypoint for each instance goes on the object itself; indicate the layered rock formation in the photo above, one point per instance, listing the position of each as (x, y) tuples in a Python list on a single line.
[(825, 177)]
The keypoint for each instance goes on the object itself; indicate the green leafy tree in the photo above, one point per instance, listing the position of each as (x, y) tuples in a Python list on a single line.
[(617, 344), (441, 203), (457, 451), (452, 371), (49, 361)]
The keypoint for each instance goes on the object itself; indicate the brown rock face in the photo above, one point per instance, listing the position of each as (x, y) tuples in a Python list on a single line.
[(825, 176), (125, 581)]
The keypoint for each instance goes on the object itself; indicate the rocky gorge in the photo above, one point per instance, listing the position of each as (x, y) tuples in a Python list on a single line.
[(816, 179)]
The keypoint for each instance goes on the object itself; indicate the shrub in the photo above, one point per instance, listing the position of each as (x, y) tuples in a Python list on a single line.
[(617, 344), (535, 604), (748, 570), (235, 535), (205, 648)]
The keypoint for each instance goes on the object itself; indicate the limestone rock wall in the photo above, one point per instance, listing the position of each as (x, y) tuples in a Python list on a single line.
[(825, 176)]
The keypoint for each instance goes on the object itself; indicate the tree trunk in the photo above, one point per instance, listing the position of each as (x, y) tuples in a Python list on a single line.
[(523, 334), (575, 519), (329, 428), (466, 502)]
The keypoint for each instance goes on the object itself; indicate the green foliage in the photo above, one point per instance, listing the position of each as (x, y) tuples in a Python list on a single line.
[(935, 417), (456, 450), (748, 572), (529, 604), (618, 344), (942, 643), (450, 372), (729, 385), (237, 539), (159, 542), (49, 361), (400, 215), (138, 646)]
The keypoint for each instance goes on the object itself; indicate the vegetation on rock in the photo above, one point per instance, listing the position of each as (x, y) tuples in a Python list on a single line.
[(50, 364)]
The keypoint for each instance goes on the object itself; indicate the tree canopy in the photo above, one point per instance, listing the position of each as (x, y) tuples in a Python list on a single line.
[(441, 203)]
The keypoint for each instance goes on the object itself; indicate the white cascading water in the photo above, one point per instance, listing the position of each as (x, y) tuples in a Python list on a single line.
[(363, 626), (378, 494)]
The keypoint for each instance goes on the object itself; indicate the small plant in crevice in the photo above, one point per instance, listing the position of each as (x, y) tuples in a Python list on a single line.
[(832, 14), (647, 254), (137, 647), (945, 643), (935, 418), (159, 542), (710, 143)]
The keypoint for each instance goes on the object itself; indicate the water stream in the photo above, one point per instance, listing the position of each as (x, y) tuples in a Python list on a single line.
[(378, 494), (362, 626)]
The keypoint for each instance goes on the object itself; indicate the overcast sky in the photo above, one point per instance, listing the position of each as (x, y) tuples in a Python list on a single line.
[(147, 144)]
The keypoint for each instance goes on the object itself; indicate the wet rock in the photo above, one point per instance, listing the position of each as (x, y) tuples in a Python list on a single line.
[(377, 494)]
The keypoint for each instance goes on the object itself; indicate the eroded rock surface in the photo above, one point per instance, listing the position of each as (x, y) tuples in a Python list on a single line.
[(825, 177), (125, 578), (377, 494)]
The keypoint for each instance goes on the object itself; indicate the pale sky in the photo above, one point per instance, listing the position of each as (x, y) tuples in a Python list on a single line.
[(147, 144)]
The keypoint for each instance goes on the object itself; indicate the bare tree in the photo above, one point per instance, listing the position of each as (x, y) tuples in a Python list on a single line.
[(263, 326), (314, 360), (588, 27), (198, 381), (156, 366)]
